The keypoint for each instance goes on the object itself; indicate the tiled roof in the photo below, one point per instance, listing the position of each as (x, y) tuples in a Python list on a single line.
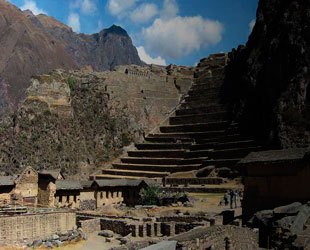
[(119, 183), (292, 154), (52, 173), (68, 185), (6, 181)]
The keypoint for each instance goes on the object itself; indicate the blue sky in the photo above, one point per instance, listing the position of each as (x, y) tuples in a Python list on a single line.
[(164, 31)]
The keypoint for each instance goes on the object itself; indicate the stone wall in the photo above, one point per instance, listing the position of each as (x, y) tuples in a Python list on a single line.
[(104, 198), (70, 199), (89, 225), (17, 228), (26, 188), (218, 237)]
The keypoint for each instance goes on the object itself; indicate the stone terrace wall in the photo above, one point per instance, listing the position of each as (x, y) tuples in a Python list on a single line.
[(239, 238), (149, 99), (15, 229)]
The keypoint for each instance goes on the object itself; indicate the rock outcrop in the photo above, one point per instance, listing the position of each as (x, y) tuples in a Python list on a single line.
[(267, 81), (32, 45)]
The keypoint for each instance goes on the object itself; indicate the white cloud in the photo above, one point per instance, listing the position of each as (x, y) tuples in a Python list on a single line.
[(145, 57), (144, 13), (251, 25), (87, 6), (32, 5), (170, 9), (118, 7), (74, 22), (181, 36)]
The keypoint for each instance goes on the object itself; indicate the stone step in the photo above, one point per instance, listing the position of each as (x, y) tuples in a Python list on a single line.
[(157, 168), (202, 110), (139, 173), (112, 176), (193, 135), (198, 91), (144, 146), (226, 138), (199, 127), (232, 153), (162, 161), (213, 98), (200, 104), (197, 118), (225, 145), (153, 138), (205, 85), (222, 154), (218, 163), (162, 153)]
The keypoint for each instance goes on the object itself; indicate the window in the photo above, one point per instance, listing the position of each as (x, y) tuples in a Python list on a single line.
[(101, 195), (107, 194), (60, 198), (68, 198), (74, 198)]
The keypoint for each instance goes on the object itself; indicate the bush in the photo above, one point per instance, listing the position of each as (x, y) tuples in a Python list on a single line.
[(71, 82), (150, 195)]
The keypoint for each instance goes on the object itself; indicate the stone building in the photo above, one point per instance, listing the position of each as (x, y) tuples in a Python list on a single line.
[(275, 178), (117, 191), (68, 193), (26, 187), (87, 196), (47, 186), (6, 188)]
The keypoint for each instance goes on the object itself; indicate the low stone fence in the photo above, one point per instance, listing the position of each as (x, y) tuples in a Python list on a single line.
[(89, 225), (218, 237), (29, 227), (195, 189)]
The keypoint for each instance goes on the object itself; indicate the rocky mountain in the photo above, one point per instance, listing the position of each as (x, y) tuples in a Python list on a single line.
[(24, 51), (32, 45), (267, 82)]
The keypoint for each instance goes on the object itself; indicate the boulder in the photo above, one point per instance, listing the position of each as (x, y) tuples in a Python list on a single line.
[(290, 209), (57, 243), (285, 222), (106, 233), (37, 243), (48, 244), (204, 172), (55, 237), (301, 219)]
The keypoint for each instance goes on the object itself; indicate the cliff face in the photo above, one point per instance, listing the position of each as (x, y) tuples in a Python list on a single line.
[(79, 120), (267, 81), (32, 45)]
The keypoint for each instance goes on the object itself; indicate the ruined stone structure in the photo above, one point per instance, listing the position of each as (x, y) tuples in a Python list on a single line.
[(275, 178), (47, 187), (218, 237), (26, 187), (120, 191), (199, 135), (68, 193), (34, 226), (6, 188)]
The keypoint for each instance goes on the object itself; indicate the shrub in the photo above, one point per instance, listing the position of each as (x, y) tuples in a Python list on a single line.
[(150, 195), (71, 82)]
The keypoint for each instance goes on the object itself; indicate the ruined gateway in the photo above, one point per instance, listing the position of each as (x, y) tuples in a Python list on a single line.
[(215, 156)]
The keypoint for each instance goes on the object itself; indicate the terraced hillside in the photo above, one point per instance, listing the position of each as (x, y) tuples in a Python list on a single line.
[(200, 134)]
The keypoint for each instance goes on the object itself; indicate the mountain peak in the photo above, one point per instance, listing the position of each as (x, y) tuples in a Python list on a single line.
[(118, 30)]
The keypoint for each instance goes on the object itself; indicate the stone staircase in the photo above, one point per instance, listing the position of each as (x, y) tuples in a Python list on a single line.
[(199, 134)]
